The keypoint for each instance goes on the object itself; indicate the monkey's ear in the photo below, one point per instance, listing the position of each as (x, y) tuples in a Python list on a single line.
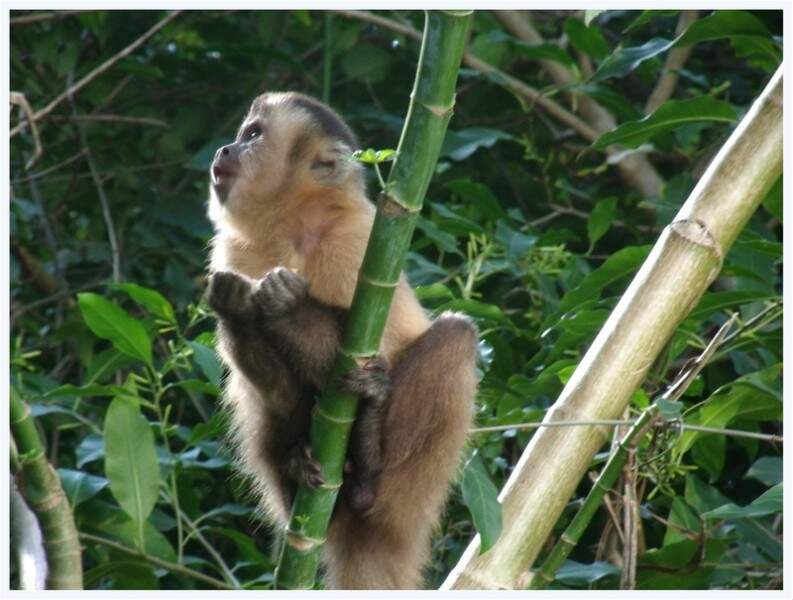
[(333, 164)]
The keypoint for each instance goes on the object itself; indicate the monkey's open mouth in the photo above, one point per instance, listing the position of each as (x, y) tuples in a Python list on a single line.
[(222, 174)]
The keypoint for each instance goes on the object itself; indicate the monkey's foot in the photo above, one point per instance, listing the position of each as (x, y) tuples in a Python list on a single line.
[(370, 382), (302, 467), (279, 291), (228, 293)]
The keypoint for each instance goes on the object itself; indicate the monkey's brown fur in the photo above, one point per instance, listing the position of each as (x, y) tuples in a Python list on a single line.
[(285, 195)]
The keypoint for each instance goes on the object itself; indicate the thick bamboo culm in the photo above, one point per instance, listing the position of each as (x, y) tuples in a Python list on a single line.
[(680, 267), (41, 488), (431, 107)]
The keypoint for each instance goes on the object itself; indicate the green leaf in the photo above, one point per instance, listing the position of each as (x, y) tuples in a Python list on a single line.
[(586, 39), (481, 498), (591, 15), (601, 219), (668, 117), (366, 62), (110, 322), (575, 573), (475, 308), (681, 518), (625, 60), (768, 504), (622, 263), (773, 200), (80, 486), (459, 145), (150, 299), (207, 360), (767, 470), (479, 196), (647, 16), (131, 460), (747, 34)]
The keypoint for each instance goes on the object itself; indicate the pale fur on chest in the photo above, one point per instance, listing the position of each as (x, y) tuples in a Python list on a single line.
[(329, 257)]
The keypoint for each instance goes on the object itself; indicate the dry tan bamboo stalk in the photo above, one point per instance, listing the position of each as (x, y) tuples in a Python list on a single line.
[(683, 262)]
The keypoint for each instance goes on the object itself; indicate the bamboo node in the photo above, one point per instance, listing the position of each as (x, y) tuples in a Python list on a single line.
[(440, 111), (696, 232), (319, 412), (302, 543), (393, 207)]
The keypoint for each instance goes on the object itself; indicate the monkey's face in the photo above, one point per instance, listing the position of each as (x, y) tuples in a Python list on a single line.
[(287, 148)]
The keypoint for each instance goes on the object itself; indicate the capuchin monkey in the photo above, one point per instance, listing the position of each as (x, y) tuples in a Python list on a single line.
[(291, 221)]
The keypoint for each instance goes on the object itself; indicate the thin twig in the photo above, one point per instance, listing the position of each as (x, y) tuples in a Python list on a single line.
[(513, 84), (38, 17), (77, 86), (766, 437), (21, 101), (100, 189), (114, 119), (170, 566), (43, 172)]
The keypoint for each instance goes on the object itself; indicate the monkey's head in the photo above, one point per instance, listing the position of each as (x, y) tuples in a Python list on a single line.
[(289, 148)]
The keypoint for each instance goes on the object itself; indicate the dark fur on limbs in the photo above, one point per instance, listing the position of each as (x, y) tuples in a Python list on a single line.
[(277, 332)]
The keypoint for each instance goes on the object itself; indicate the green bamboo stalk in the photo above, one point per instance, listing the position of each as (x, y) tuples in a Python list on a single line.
[(41, 488), (611, 471), (431, 107)]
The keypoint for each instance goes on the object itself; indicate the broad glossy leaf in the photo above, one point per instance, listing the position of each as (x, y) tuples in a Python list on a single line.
[(150, 299), (586, 39), (80, 486), (767, 470), (575, 573), (668, 117), (481, 498), (681, 517), (767, 504), (480, 196), (747, 34), (207, 359), (625, 60), (647, 16), (622, 263), (110, 322), (601, 219), (131, 459), (459, 145)]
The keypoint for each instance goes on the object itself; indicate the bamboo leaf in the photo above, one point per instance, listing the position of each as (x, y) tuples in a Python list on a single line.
[(481, 498), (110, 322), (131, 460), (668, 117), (461, 144)]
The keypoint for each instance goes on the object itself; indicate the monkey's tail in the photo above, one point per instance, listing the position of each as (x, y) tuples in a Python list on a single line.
[(364, 554)]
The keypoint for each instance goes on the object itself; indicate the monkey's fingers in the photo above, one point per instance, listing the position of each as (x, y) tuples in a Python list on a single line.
[(279, 291), (371, 381), (228, 293)]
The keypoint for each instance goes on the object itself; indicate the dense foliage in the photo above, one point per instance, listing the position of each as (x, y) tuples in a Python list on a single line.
[(525, 228)]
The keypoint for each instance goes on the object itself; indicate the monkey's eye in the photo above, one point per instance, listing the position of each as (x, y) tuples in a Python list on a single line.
[(251, 132)]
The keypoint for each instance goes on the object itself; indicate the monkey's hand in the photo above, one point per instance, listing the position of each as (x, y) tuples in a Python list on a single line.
[(301, 466), (280, 291), (229, 294), (369, 382)]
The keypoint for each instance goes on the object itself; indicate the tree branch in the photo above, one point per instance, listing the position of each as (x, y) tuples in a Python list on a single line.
[(675, 59), (77, 86), (634, 168)]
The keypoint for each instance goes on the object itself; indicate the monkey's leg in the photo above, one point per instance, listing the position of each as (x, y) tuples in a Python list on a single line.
[(428, 415), (372, 385)]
